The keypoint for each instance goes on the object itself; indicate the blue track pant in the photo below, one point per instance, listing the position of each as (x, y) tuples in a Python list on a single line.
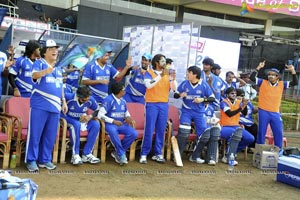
[(247, 138), (114, 131), (275, 121), (93, 128), (42, 132), (156, 118)]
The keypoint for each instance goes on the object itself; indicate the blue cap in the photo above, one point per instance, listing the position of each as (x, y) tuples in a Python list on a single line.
[(108, 49), (148, 56), (98, 54), (273, 70)]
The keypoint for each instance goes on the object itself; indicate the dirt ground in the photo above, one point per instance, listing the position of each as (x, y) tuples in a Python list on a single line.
[(155, 181)]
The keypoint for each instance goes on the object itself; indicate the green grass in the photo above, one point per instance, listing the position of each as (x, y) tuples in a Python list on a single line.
[(287, 106)]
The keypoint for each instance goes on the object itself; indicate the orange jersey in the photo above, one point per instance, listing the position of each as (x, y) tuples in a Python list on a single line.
[(160, 92), (270, 96), (230, 121)]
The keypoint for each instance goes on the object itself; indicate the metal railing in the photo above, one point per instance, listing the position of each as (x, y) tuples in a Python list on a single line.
[(11, 10)]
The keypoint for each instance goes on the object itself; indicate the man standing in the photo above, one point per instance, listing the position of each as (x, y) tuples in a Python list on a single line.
[(97, 75), (46, 102), (270, 94), (213, 80), (20, 75), (135, 88), (195, 92), (157, 95)]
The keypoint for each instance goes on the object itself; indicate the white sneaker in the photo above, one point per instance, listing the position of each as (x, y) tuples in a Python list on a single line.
[(143, 160), (159, 158), (224, 160), (212, 162), (90, 158), (197, 160), (76, 160)]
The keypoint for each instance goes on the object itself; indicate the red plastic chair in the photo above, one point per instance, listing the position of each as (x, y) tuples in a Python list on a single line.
[(270, 139), (18, 108), (5, 140)]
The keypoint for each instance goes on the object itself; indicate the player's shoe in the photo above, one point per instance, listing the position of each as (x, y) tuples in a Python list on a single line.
[(212, 162), (32, 166), (48, 165), (159, 159), (224, 160), (90, 158), (76, 160), (197, 160), (122, 160), (143, 160)]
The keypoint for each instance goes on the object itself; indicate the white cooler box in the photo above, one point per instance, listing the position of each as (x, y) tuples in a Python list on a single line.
[(288, 170)]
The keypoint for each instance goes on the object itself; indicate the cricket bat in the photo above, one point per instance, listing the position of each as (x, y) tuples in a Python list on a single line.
[(176, 153)]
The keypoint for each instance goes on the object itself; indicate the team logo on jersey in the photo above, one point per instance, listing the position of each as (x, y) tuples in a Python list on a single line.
[(107, 71), (114, 108), (27, 66), (122, 107), (97, 71), (209, 113), (198, 91), (72, 108), (186, 90), (84, 109)]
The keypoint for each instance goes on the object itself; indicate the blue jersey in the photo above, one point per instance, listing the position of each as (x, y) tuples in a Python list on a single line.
[(47, 90), (3, 59), (248, 119), (209, 112), (201, 90), (217, 86), (23, 72), (115, 109), (136, 84), (75, 110), (67, 88), (73, 78), (95, 72)]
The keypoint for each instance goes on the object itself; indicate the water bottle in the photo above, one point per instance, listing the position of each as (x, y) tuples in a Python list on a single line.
[(231, 162), (13, 161)]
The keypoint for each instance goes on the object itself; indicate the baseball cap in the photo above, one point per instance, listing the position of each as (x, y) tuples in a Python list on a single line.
[(98, 54), (108, 49), (216, 66), (273, 70), (51, 43), (148, 56)]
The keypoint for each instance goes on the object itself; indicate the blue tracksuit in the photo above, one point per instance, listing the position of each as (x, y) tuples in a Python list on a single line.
[(23, 72), (45, 103), (116, 109), (75, 110), (95, 72), (194, 111), (135, 89)]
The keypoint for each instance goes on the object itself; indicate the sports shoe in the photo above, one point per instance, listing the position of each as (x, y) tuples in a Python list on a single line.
[(143, 160), (212, 162), (48, 165), (159, 159), (32, 167), (76, 160), (90, 158), (122, 160), (197, 160), (224, 160)]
